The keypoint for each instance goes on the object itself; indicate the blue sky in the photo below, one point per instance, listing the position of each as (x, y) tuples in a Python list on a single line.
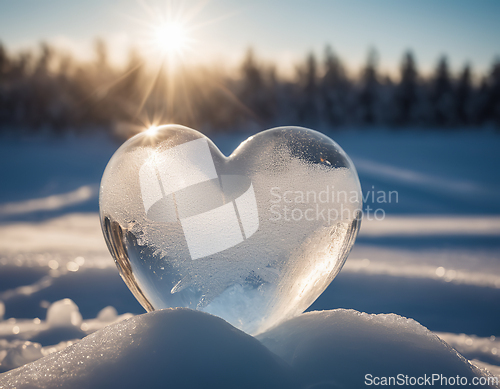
[(280, 30)]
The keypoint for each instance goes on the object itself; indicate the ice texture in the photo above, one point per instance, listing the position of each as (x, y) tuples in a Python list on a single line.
[(182, 348), (253, 238)]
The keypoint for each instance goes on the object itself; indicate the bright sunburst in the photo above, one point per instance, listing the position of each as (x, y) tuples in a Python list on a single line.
[(171, 38), (167, 40)]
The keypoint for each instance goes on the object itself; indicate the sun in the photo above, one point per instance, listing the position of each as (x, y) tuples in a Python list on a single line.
[(171, 38)]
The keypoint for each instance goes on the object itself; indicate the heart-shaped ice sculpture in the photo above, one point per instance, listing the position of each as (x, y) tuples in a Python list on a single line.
[(253, 238)]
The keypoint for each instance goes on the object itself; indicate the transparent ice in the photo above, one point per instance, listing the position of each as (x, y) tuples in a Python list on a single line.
[(253, 238)]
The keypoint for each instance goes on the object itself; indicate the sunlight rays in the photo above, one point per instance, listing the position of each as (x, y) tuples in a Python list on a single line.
[(168, 38)]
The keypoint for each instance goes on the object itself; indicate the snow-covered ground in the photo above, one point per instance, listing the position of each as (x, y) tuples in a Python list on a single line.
[(434, 257)]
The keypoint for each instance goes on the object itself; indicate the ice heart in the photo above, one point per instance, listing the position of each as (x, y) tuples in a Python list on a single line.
[(253, 238)]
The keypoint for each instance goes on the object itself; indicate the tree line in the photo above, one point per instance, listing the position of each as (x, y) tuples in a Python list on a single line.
[(52, 92)]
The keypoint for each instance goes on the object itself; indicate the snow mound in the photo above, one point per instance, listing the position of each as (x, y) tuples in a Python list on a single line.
[(23, 340), (22, 353), (64, 313), (338, 348), (107, 314), (176, 348)]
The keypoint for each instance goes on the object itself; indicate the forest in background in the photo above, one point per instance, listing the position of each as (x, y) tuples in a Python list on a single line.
[(52, 92)]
